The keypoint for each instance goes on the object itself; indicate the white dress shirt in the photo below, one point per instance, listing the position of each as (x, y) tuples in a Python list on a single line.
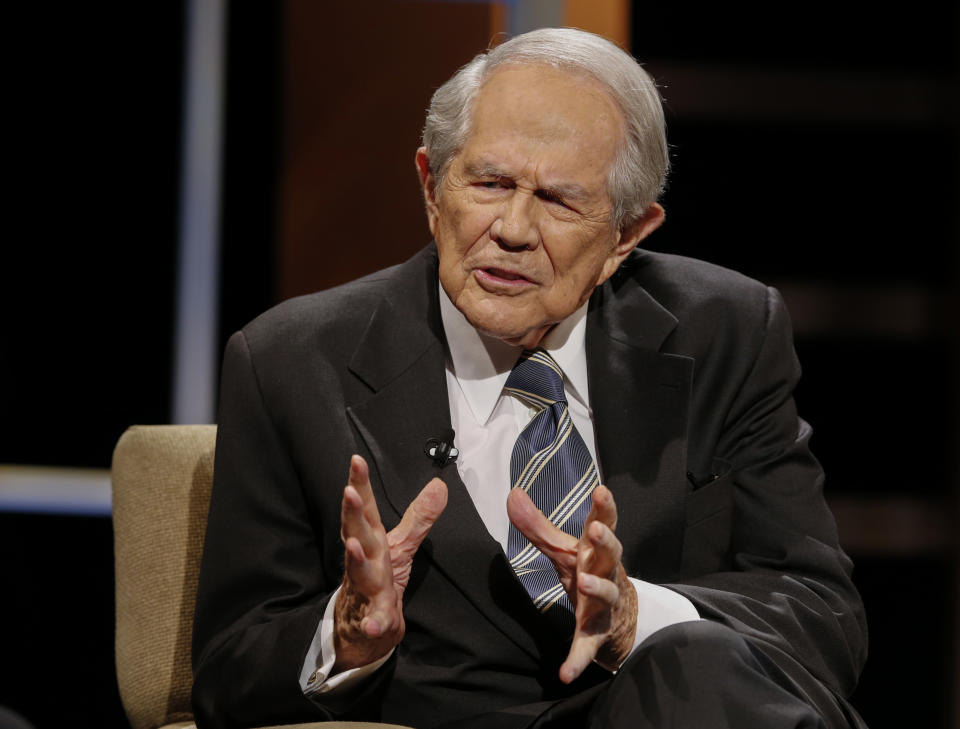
[(487, 421)]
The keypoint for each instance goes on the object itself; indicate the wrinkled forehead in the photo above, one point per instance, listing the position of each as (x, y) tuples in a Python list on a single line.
[(544, 113), (550, 85)]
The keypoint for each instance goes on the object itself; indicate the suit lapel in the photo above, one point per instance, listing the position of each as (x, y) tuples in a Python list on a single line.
[(640, 398), (401, 357)]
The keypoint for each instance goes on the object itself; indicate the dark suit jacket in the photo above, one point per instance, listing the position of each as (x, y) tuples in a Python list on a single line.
[(691, 369)]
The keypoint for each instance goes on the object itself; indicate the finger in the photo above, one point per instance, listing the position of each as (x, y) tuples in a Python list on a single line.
[(603, 509), (373, 626), (598, 560), (364, 566), (359, 478), (582, 652), (382, 617), (597, 588), (354, 524), (367, 577), (361, 574), (596, 598), (593, 606), (419, 517), (540, 531), (602, 552), (354, 552)]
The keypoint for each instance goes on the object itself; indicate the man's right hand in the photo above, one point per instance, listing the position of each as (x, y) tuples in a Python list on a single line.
[(368, 616)]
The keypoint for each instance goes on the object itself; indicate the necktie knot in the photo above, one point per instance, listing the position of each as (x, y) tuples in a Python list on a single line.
[(536, 379)]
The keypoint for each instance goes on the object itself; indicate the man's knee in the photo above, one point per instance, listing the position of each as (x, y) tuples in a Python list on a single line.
[(705, 645), (701, 674)]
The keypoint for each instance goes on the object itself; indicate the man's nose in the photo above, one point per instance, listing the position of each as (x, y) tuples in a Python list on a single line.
[(516, 226)]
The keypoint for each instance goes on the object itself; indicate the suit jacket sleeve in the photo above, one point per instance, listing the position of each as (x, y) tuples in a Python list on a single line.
[(262, 589), (783, 580)]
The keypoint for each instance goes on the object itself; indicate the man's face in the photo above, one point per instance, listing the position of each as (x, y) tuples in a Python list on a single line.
[(522, 221)]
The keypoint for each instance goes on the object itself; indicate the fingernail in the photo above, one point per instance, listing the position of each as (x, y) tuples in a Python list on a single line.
[(355, 461)]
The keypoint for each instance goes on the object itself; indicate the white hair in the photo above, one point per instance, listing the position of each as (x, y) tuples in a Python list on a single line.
[(639, 172)]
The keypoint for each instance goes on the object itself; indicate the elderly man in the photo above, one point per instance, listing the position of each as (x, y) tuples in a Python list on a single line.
[(534, 476)]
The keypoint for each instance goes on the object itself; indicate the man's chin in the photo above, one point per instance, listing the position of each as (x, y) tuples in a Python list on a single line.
[(508, 321), (514, 336)]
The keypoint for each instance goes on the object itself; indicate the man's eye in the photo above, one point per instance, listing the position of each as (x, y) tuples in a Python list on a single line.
[(551, 198)]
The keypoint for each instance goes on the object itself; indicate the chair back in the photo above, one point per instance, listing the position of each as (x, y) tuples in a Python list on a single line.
[(162, 477)]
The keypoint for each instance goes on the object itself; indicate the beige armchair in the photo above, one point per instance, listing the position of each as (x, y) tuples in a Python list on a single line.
[(161, 491)]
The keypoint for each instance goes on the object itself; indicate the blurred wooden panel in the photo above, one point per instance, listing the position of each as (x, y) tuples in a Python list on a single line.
[(357, 78), (609, 18), (499, 22)]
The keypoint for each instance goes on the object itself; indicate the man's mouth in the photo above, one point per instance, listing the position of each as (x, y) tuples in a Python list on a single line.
[(495, 274)]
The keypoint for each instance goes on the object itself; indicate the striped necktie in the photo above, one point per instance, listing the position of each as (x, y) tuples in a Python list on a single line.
[(551, 463)]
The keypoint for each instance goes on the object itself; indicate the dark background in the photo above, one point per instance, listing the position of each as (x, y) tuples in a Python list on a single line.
[(815, 147)]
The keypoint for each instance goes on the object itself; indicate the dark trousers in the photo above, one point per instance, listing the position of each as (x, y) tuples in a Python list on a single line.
[(696, 675)]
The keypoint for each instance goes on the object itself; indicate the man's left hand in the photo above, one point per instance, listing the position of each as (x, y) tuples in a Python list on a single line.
[(593, 576)]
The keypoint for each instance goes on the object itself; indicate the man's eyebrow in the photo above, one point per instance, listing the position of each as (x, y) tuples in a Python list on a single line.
[(484, 169), (567, 191)]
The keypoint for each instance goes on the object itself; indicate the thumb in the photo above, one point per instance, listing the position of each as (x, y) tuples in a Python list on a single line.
[(537, 528), (419, 517)]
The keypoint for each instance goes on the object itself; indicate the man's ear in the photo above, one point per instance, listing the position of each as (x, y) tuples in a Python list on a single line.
[(640, 228), (630, 236), (429, 185)]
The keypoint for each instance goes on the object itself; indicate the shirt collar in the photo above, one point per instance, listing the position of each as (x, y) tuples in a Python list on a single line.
[(481, 364)]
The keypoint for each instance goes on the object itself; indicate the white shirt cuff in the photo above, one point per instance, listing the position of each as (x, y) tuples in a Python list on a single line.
[(315, 678), (659, 607)]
